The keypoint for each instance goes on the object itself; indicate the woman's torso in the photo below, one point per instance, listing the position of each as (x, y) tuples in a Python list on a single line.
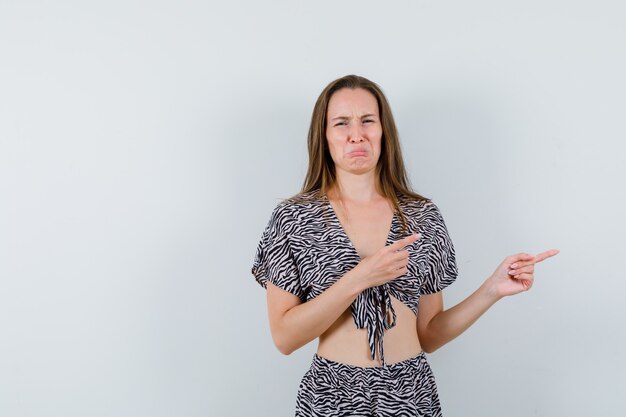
[(344, 343), (367, 226)]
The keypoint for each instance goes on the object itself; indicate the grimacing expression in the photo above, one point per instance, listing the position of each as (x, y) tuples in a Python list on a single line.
[(353, 130)]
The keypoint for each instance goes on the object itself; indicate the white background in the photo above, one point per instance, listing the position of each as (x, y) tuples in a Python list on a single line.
[(143, 145)]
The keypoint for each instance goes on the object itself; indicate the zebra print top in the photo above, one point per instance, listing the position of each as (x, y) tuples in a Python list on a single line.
[(304, 250)]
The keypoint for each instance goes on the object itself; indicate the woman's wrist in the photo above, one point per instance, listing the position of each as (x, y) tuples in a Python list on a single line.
[(353, 282), (490, 291)]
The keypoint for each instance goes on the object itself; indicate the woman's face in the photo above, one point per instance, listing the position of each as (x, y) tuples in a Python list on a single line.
[(353, 130)]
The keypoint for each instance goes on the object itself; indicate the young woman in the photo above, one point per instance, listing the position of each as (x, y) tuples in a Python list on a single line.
[(359, 260)]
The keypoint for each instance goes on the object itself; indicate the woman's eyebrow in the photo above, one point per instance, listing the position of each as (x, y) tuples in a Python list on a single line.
[(346, 117)]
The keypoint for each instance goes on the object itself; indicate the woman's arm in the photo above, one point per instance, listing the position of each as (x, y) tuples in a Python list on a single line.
[(436, 327), (294, 324)]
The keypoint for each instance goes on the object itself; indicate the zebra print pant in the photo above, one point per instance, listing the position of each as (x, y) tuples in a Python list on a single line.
[(332, 389)]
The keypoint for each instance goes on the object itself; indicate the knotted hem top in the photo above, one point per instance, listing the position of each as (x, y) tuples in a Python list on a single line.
[(304, 250)]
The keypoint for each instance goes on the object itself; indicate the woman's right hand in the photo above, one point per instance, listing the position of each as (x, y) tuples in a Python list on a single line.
[(388, 263)]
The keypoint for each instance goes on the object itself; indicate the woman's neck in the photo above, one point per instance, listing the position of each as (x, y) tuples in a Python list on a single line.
[(359, 188)]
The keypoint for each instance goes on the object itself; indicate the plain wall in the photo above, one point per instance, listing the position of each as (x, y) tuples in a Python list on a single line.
[(143, 146)]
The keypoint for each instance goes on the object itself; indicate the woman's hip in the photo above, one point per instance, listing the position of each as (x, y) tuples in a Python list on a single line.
[(336, 389)]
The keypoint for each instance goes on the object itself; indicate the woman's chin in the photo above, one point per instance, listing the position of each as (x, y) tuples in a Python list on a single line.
[(359, 167)]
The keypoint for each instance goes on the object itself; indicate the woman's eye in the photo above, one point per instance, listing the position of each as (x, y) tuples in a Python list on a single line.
[(368, 121), (340, 123)]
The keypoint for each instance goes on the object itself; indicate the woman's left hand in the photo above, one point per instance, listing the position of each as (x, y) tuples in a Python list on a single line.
[(516, 273)]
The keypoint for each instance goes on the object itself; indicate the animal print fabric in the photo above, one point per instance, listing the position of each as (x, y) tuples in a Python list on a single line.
[(304, 250), (332, 389)]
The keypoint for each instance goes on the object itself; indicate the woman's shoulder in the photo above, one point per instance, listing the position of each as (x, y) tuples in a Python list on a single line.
[(303, 199), (301, 204), (413, 204), (421, 210)]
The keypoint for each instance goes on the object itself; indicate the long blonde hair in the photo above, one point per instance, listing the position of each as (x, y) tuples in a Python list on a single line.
[(392, 178)]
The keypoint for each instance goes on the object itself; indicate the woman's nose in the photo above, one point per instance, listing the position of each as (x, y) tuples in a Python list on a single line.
[(356, 133)]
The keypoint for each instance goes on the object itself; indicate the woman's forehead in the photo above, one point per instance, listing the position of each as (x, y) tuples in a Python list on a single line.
[(349, 102)]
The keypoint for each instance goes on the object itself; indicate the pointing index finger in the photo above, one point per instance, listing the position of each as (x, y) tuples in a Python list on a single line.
[(400, 244), (545, 255)]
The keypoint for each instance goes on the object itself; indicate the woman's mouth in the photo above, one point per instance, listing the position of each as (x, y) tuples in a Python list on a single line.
[(357, 153)]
